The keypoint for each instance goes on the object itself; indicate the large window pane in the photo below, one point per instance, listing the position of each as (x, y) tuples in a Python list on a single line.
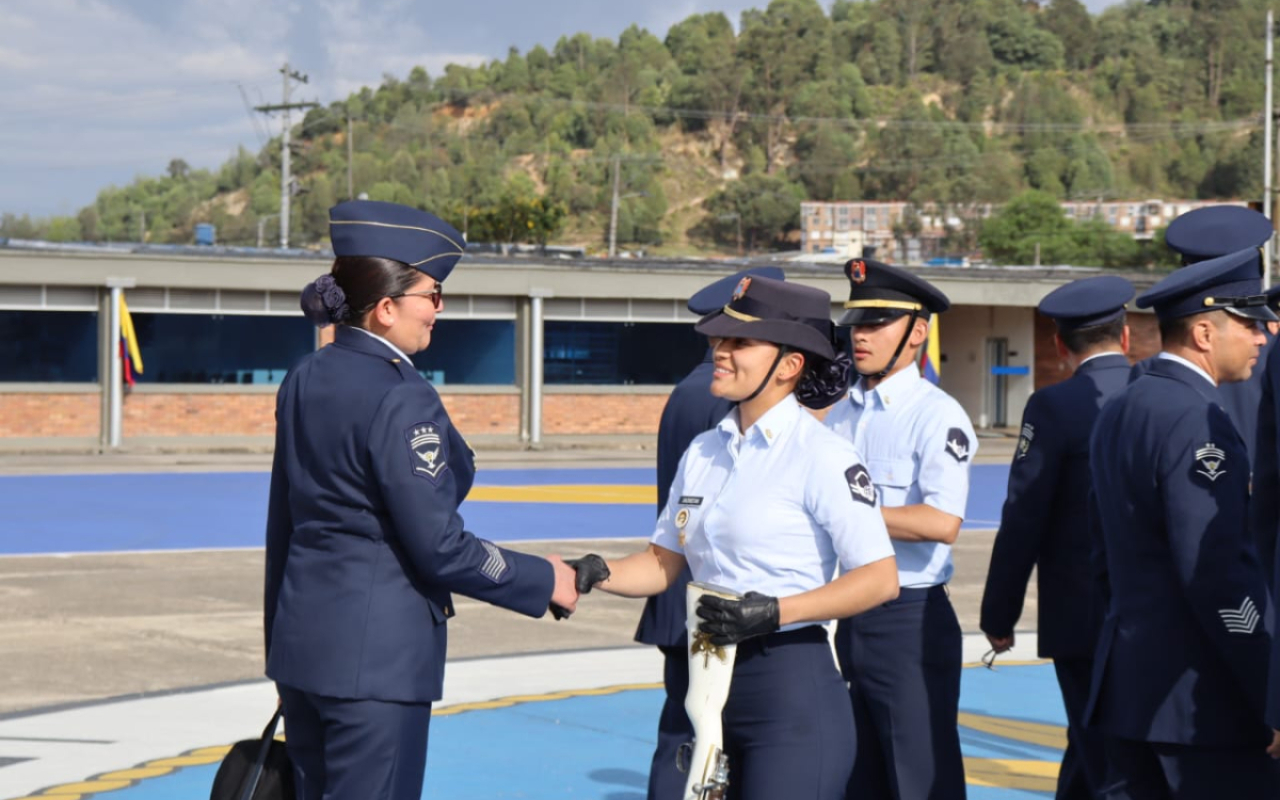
[(470, 351), (48, 346), (213, 348), (620, 352)]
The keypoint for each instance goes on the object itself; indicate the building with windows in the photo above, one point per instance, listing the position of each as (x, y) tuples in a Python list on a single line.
[(904, 233), (526, 349)]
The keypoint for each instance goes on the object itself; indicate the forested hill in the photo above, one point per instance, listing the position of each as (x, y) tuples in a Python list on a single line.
[(939, 102)]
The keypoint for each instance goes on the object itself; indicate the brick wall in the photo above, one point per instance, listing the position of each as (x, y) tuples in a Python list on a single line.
[(38, 415), (602, 413), (202, 414), (199, 414), (1144, 341), (474, 414)]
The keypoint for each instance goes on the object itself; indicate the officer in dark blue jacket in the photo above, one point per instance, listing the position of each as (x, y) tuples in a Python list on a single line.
[(1264, 503), (1045, 521), (690, 410), (1180, 678), (1210, 232), (364, 541)]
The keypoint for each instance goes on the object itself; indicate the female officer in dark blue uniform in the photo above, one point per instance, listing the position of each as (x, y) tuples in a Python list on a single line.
[(364, 541), (764, 505)]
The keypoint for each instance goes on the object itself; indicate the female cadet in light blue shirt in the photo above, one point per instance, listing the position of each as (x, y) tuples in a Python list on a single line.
[(765, 505)]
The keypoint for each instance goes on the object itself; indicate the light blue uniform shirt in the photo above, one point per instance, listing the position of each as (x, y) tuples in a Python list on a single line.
[(772, 510), (919, 444)]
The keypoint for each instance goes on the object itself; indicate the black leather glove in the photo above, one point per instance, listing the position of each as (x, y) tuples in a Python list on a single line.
[(591, 570), (559, 612), (731, 621)]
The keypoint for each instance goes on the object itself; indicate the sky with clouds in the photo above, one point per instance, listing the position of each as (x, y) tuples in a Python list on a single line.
[(96, 92)]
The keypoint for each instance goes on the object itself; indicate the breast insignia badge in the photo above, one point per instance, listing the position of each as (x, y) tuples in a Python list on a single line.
[(682, 519)]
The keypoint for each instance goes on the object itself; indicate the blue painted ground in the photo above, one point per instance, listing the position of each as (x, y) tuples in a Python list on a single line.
[(182, 511), (599, 747)]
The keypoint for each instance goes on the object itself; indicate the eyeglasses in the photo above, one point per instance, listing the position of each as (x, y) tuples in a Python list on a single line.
[(436, 295)]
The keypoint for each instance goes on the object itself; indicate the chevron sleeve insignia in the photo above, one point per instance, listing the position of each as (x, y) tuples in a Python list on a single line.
[(1243, 620)]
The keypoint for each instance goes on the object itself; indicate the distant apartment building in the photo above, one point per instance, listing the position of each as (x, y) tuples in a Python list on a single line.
[(905, 233)]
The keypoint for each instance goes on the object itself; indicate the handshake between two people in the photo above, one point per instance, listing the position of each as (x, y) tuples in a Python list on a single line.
[(724, 621)]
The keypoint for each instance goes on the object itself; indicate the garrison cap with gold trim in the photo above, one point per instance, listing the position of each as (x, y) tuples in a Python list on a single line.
[(777, 312), (400, 233), (880, 293), (1228, 283)]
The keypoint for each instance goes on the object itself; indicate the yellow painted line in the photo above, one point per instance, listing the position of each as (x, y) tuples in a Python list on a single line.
[(135, 774), (578, 493), (1038, 733), (1003, 773), (993, 772), (519, 699)]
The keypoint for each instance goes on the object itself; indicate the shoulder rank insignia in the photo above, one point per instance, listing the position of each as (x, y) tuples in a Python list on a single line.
[(957, 445), (860, 485), (1241, 620), (1024, 441), (1209, 461), (427, 450)]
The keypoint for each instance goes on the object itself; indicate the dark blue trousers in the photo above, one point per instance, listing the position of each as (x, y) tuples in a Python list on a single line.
[(902, 661), (1156, 771), (787, 727), (1084, 764), (355, 749), (674, 728)]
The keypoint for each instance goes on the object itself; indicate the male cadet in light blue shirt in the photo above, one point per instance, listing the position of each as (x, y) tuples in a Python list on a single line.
[(902, 660)]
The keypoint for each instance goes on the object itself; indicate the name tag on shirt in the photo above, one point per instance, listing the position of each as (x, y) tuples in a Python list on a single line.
[(686, 500)]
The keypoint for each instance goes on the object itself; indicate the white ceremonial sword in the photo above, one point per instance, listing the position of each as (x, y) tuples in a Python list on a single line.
[(710, 674)]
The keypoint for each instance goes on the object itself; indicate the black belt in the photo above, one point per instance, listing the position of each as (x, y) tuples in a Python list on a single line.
[(809, 634), (914, 594)]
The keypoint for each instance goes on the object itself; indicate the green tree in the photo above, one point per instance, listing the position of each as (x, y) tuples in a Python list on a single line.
[(763, 207), (1029, 223)]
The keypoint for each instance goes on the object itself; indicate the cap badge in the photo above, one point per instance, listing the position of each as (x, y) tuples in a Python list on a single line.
[(857, 271), (741, 289)]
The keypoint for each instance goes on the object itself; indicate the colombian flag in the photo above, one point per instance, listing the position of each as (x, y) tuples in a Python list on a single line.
[(130, 355), (931, 360)]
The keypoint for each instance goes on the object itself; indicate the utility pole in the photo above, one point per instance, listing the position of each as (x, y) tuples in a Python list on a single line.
[(351, 194), (613, 208), (1266, 157), (286, 180)]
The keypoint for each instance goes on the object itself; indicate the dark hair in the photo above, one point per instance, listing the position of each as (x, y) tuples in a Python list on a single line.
[(823, 381), (1176, 329), (354, 285), (1082, 339)]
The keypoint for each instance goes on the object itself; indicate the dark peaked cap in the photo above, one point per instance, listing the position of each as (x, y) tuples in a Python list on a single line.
[(1228, 283), (1087, 302), (717, 295), (400, 233), (777, 312), (879, 293), (1214, 231)]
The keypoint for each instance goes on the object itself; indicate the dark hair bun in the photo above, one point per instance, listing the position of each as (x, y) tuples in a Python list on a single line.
[(324, 303), (825, 382)]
